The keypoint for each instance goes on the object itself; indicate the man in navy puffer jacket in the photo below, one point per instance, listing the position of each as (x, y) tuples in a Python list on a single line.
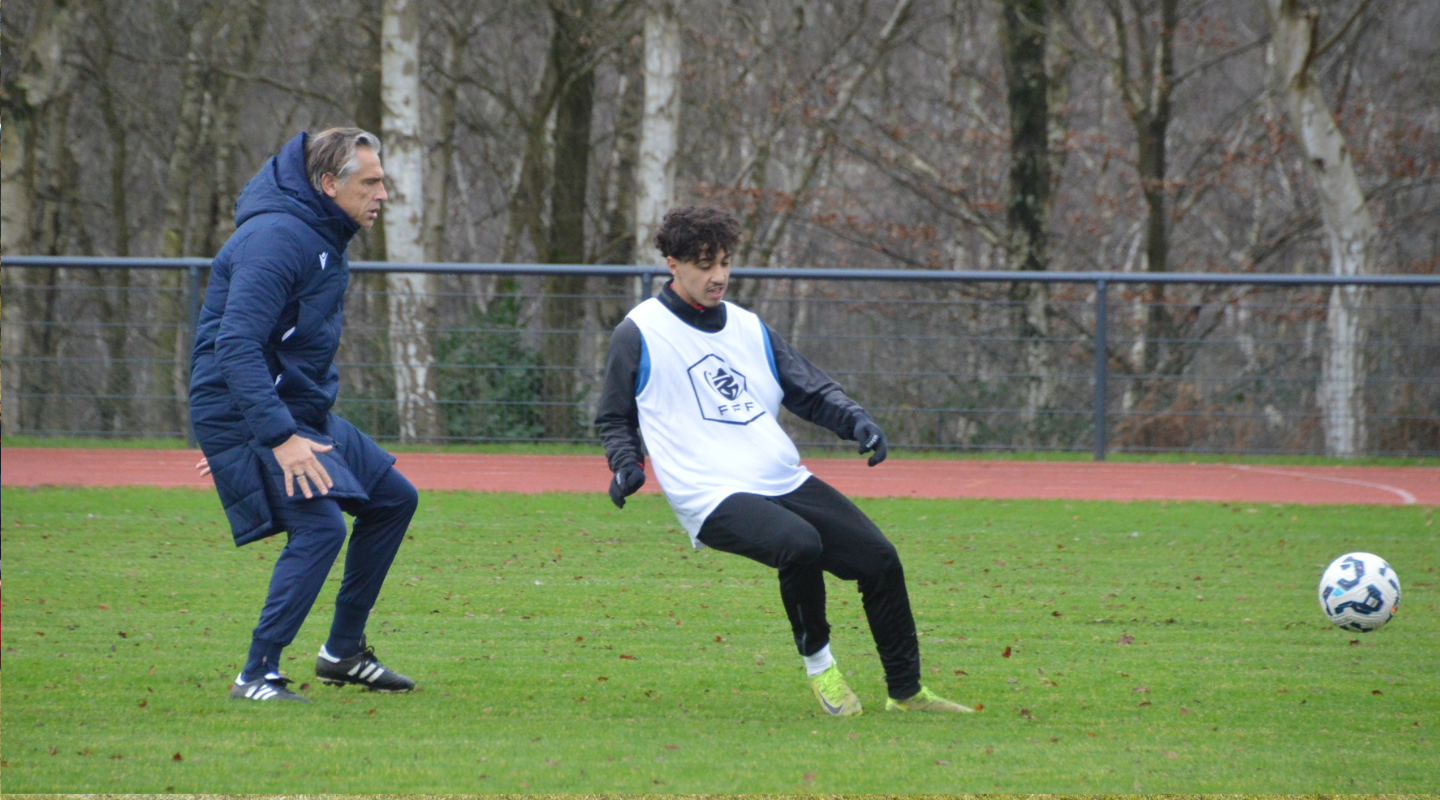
[(263, 381)]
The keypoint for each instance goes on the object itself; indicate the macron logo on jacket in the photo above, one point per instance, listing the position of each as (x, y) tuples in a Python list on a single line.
[(323, 258)]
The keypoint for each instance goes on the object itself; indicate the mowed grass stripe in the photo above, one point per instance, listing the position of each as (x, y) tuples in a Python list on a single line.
[(564, 646)]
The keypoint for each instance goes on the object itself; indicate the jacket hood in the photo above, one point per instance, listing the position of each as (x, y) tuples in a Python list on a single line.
[(282, 187)]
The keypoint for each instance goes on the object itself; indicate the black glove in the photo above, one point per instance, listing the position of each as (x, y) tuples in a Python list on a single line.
[(870, 437), (628, 480)]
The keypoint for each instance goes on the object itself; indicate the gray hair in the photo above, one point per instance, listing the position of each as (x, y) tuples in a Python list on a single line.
[(332, 151)]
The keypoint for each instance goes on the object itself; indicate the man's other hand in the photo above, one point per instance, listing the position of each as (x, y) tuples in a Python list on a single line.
[(870, 437), (628, 480), (297, 460), (203, 466)]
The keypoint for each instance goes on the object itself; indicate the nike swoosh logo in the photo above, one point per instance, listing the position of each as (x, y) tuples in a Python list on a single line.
[(834, 710)]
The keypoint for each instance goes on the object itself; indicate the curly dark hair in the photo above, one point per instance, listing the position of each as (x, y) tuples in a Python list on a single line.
[(697, 233)]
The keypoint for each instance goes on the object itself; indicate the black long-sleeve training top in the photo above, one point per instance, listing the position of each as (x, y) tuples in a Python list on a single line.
[(809, 393)]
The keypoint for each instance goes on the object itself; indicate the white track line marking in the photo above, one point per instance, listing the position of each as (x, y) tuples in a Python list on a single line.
[(1405, 497)]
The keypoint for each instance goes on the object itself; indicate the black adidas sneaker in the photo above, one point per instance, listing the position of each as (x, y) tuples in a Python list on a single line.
[(270, 687), (362, 669)]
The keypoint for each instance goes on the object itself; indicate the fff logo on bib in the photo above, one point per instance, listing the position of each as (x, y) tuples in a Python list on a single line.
[(720, 390)]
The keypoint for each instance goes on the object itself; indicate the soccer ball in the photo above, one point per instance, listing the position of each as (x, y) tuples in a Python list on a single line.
[(1359, 592)]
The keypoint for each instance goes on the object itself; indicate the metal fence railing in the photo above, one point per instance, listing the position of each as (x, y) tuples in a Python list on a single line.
[(1097, 362)]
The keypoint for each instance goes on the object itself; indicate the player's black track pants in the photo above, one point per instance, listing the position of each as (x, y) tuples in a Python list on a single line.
[(814, 530)]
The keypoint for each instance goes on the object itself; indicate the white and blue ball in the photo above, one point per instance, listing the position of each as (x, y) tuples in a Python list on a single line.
[(1359, 592)]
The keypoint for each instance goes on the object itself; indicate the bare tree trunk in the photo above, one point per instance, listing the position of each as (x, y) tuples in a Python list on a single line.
[(119, 148), (1348, 225), (1023, 39), (370, 116), (176, 236), (369, 307), (411, 294), (1146, 86), (17, 191), (55, 192), (188, 135), (36, 169), (225, 133), (115, 407), (532, 174), (1023, 35), (14, 342), (610, 300), (437, 172), (622, 175), (570, 50), (659, 127)]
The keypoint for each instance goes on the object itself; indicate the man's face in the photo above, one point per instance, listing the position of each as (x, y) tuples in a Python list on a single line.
[(701, 282), (363, 191)]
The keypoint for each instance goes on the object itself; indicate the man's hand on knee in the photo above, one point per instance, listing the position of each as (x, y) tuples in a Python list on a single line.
[(300, 466)]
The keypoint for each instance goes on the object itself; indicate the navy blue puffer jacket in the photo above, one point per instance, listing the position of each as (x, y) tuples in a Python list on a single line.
[(263, 366)]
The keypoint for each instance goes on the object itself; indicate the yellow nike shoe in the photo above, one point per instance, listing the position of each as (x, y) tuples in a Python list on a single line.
[(834, 694), (926, 700)]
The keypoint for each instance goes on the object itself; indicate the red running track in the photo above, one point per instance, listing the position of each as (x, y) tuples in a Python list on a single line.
[(897, 477)]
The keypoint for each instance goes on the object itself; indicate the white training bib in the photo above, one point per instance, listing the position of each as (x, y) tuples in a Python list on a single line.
[(708, 405)]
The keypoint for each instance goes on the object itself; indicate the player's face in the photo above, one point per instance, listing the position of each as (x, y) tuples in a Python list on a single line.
[(363, 191), (701, 282)]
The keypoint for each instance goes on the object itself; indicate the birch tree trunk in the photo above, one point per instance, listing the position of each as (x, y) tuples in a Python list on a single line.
[(411, 294), (571, 50), (1348, 225), (659, 126)]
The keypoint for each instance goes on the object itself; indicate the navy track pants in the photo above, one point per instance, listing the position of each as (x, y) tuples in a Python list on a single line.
[(317, 532)]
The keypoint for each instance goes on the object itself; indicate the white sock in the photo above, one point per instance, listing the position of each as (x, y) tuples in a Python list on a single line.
[(269, 676), (818, 663)]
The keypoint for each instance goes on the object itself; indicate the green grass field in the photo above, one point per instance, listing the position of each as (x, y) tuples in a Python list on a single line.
[(564, 646)]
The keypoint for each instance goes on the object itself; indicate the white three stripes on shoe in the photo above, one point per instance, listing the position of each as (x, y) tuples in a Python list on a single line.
[(372, 671)]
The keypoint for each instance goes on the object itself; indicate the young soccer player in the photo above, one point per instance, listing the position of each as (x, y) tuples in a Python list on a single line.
[(702, 380)]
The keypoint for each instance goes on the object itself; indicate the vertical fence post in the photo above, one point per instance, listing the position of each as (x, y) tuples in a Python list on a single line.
[(647, 280), (192, 299), (1100, 375)]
